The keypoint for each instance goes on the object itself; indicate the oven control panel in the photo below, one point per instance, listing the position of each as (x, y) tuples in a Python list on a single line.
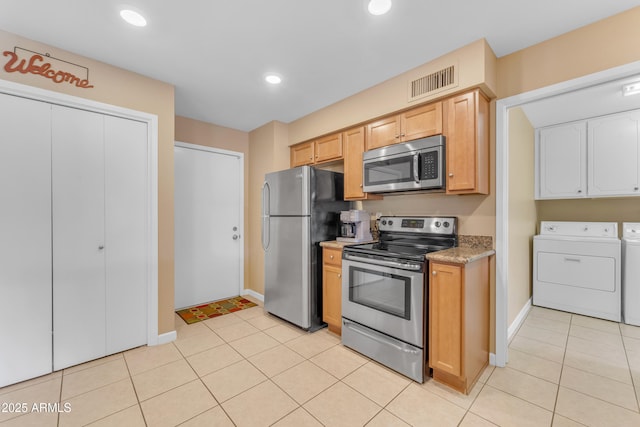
[(430, 225)]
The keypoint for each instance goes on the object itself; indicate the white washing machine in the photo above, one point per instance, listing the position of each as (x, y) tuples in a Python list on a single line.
[(577, 268), (631, 273)]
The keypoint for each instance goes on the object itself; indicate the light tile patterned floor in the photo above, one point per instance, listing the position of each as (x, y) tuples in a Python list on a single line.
[(251, 369)]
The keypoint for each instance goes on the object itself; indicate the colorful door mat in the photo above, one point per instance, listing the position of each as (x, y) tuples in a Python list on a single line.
[(214, 309)]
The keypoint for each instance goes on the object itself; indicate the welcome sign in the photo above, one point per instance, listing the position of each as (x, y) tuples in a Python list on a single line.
[(27, 62)]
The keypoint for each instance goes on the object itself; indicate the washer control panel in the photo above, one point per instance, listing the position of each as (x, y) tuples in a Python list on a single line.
[(583, 229)]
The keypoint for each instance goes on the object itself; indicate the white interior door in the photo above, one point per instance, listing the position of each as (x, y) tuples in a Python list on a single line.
[(25, 239), (126, 232), (78, 236), (208, 200)]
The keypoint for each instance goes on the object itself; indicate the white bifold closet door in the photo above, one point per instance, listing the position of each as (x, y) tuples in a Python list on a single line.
[(99, 218), (25, 239)]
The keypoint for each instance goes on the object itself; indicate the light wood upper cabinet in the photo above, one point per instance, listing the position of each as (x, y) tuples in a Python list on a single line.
[(302, 154), (354, 142), (459, 322), (321, 150), (413, 124), (328, 148), (332, 288), (383, 132), (466, 128), (421, 122)]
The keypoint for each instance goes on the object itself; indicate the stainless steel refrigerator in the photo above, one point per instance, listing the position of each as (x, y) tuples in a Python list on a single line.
[(300, 208)]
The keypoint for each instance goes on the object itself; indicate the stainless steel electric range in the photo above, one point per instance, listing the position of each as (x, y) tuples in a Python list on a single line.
[(384, 291)]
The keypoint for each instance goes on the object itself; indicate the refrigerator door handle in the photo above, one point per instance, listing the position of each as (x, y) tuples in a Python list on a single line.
[(266, 210)]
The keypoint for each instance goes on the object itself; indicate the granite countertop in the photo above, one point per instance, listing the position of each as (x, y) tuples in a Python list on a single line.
[(339, 245), (470, 248)]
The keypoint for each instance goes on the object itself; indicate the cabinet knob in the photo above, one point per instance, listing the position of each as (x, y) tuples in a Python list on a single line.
[(101, 247), (434, 272), (579, 191), (339, 275), (397, 136), (451, 175), (330, 256), (635, 188)]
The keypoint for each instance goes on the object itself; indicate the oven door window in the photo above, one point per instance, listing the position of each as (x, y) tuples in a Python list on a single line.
[(385, 292), (389, 171)]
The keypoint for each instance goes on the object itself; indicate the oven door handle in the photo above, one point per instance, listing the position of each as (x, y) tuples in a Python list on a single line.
[(383, 263), (352, 326)]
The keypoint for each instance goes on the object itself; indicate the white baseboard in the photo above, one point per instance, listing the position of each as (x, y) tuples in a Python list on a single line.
[(254, 294), (517, 322), (492, 359), (167, 337)]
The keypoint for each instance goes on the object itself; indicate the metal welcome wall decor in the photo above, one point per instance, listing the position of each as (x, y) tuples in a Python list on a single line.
[(36, 64)]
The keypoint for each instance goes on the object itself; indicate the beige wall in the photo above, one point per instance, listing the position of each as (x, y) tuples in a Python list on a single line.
[(602, 45), (209, 135), (522, 211), (267, 155), (476, 63), (605, 44), (125, 89)]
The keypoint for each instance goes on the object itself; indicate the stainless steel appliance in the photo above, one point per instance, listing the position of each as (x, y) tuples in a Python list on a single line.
[(355, 226), (300, 208), (384, 291), (408, 166)]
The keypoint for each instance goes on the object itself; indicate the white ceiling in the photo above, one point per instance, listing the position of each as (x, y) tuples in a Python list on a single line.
[(216, 52), (594, 101)]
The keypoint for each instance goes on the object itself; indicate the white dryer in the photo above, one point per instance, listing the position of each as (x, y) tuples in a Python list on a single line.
[(577, 268), (631, 273)]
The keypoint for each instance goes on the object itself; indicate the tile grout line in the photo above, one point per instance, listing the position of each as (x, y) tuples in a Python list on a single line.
[(564, 356)]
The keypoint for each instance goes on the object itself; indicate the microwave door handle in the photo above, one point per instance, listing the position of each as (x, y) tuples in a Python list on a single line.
[(416, 164)]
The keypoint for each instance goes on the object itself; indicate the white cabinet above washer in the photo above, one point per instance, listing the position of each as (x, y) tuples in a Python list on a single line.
[(561, 161), (599, 157)]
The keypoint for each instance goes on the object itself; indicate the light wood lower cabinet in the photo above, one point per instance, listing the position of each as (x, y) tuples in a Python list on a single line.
[(459, 322), (332, 289)]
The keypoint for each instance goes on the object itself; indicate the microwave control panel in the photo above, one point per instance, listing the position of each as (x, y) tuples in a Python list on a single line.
[(429, 166)]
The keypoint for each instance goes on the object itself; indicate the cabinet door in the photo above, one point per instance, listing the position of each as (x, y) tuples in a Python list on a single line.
[(354, 141), (421, 122), (126, 233), (25, 239), (562, 161), (614, 155), (78, 236), (445, 318), (383, 132), (332, 296), (302, 154), (467, 149), (328, 148)]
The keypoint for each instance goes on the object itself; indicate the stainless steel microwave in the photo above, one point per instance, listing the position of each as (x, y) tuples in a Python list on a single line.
[(408, 166)]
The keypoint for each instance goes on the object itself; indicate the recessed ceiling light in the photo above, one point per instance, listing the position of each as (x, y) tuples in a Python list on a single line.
[(379, 7), (133, 17), (274, 79)]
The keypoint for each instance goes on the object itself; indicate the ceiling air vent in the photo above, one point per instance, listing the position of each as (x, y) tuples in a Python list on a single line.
[(433, 83)]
